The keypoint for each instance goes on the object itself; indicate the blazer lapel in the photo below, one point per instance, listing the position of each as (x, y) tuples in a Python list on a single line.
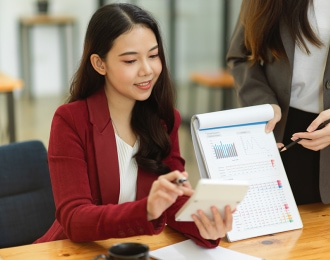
[(105, 147), (326, 79), (288, 43)]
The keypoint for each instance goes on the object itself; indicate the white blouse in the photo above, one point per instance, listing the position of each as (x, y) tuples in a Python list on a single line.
[(128, 170), (308, 70)]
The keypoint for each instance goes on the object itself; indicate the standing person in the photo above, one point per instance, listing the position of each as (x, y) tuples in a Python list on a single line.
[(279, 54), (114, 150)]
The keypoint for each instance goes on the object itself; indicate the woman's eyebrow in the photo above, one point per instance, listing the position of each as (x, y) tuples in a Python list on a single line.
[(134, 52)]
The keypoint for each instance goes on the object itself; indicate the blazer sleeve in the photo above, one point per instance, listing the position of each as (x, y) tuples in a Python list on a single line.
[(76, 211), (251, 82), (188, 229), (176, 162)]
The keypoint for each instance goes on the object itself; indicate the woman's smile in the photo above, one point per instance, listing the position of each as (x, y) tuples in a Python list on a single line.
[(144, 85)]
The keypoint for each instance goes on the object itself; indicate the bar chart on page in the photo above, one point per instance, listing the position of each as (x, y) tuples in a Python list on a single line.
[(224, 150)]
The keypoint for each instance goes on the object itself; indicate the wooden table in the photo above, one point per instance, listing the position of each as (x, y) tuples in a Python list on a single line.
[(7, 86), (311, 242)]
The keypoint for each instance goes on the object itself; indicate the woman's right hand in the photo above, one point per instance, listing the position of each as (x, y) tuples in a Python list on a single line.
[(164, 192)]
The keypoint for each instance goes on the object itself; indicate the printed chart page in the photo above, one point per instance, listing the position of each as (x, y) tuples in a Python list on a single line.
[(233, 145)]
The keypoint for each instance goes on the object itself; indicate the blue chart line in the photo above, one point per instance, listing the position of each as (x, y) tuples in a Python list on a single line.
[(224, 150)]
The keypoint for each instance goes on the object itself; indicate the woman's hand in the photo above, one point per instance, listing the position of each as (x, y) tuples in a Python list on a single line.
[(272, 123), (277, 117), (319, 139), (216, 228), (164, 192)]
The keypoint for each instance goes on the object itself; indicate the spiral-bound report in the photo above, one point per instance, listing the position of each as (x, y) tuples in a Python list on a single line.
[(233, 145)]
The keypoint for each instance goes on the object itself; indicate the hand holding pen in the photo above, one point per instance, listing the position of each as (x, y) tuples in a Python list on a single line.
[(165, 191), (284, 148), (180, 181)]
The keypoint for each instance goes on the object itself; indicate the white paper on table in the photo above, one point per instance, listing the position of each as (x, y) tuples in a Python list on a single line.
[(189, 250)]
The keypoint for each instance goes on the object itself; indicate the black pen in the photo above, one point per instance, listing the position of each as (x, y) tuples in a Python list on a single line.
[(322, 125), (284, 148), (180, 181)]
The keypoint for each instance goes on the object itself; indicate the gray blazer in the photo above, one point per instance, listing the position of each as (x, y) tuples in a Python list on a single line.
[(271, 84)]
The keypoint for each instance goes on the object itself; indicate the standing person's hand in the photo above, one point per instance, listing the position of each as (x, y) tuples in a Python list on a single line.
[(277, 117), (164, 192), (272, 123), (315, 139), (214, 228)]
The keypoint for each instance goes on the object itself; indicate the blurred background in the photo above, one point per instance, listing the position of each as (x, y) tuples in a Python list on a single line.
[(42, 49)]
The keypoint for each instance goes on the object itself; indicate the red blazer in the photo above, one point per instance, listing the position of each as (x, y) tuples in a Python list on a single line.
[(84, 171)]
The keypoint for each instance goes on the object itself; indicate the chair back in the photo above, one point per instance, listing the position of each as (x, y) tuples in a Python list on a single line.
[(27, 206)]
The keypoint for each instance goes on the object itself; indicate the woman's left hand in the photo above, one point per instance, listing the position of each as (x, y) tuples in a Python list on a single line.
[(319, 139), (214, 228), (277, 117)]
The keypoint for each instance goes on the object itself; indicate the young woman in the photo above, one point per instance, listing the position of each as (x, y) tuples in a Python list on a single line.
[(279, 54), (114, 150)]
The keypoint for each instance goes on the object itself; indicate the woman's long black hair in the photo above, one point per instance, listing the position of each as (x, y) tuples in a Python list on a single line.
[(152, 119)]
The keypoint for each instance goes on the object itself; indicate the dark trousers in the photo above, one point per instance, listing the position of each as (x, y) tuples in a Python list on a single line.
[(301, 164)]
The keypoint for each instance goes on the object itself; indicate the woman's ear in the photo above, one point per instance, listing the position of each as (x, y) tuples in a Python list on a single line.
[(98, 64)]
